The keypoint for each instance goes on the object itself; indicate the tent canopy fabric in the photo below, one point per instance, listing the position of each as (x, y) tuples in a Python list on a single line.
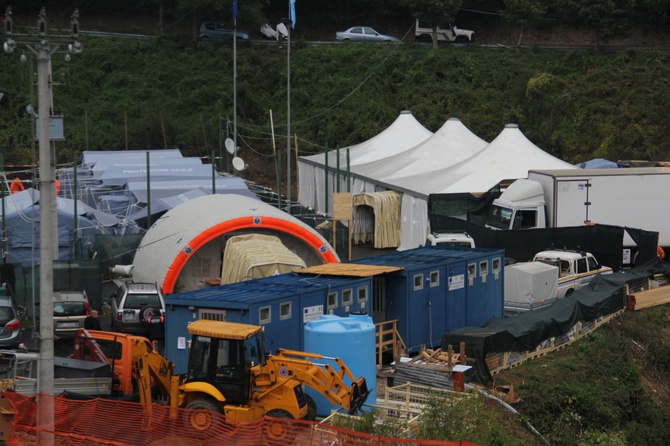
[(405, 132), (598, 163), (452, 143), (508, 157), (254, 256)]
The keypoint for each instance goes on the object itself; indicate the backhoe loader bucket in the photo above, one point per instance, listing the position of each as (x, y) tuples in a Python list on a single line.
[(359, 395)]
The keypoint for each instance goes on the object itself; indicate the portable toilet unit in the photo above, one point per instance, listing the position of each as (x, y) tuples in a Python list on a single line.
[(438, 289), (282, 304), (353, 340)]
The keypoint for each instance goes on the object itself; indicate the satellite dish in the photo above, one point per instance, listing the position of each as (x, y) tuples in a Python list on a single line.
[(230, 146), (238, 164)]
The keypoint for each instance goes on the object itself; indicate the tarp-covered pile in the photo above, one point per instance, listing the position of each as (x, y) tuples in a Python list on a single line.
[(525, 332)]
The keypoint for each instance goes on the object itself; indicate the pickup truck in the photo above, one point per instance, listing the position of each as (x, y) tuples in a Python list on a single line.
[(552, 275), (100, 364)]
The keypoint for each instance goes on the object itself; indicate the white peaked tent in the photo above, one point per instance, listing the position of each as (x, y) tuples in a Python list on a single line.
[(508, 157), (452, 143), (404, 133)]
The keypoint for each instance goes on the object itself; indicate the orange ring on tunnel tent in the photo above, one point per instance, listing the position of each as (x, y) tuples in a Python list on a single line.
[(242, 223)]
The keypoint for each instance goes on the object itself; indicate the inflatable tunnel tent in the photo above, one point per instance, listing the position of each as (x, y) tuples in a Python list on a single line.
[(185, 248)]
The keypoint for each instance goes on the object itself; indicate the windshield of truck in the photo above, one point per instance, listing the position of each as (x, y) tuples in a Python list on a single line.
[(499, 217)]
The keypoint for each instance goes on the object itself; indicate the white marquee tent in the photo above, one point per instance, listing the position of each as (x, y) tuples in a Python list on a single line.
[(508, 157), (405, 132)]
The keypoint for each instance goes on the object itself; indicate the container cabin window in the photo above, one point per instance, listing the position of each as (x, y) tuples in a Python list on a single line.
[(472, 270), (332, 300), (362, 294), (495, 266), (347, 298), (285, 311), (418, 282), (434, 278), (483, 268), (264, 315)]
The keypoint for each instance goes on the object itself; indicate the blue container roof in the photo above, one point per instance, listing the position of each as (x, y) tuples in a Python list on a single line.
[(260, 290), (429, 256)]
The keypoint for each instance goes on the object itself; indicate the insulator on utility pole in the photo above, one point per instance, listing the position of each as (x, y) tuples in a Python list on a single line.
[(74, 24), (8, 21), (42, 23)]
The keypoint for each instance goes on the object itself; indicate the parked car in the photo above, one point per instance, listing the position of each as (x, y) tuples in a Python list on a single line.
[(363, 34), (132, 306), (10, 322), (71, 308), (220, 31)]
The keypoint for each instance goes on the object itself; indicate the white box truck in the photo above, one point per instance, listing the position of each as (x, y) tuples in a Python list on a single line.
[(628, 197)]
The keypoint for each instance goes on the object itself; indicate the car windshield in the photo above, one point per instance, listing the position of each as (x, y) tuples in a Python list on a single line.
[(138, 301), (6, 315), (69, 309)]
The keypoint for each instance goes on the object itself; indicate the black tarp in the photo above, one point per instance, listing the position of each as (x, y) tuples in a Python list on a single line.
[(605, 242), (525, 331)]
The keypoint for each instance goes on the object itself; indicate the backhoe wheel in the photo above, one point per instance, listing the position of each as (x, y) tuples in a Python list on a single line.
[(204, 414), (277, 431), (311, 408)]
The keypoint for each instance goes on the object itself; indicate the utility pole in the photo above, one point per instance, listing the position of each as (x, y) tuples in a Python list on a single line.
[(43, 47)]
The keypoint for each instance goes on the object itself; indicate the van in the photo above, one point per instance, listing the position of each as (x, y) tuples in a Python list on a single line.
[(445, 33)]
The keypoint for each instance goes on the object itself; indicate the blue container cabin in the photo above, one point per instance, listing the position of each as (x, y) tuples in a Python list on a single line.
[(438, 289), (282, 304)]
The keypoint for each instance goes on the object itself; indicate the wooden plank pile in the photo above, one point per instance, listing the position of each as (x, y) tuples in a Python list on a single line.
[(648, 298)]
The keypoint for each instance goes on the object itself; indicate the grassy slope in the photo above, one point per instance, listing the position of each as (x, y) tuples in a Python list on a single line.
[(611, 386)]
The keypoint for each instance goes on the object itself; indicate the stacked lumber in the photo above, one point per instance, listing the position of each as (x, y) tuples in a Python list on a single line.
[(648, 298), (437, 356)]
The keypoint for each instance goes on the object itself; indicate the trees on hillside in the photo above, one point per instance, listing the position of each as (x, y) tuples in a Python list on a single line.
[(523, 12)]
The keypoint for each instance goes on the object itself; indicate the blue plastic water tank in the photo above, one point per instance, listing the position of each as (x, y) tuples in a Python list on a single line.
[(352, 339)]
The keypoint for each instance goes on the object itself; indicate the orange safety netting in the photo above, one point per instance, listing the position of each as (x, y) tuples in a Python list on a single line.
[(121, 423)]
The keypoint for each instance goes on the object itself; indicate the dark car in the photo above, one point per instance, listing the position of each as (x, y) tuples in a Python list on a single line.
[(10, 322), (132, 306), (220, 31)]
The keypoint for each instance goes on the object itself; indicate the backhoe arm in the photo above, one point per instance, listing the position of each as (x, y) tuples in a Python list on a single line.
[(290, 364)]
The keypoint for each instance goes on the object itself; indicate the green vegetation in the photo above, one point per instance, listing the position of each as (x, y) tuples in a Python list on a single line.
[(608, 389), (175, 92)]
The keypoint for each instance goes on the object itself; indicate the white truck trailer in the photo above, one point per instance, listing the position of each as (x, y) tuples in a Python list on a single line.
[(628, 197)]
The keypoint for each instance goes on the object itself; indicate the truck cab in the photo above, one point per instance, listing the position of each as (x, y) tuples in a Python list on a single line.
[(575, 269), (521, 206)]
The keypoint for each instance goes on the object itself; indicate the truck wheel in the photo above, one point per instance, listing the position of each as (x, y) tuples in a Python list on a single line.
[(204, 414), (276, 430), (311, 408)]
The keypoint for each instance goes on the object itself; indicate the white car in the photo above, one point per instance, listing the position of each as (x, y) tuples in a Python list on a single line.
[(363, 34), (70, 311), (450, 239)]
